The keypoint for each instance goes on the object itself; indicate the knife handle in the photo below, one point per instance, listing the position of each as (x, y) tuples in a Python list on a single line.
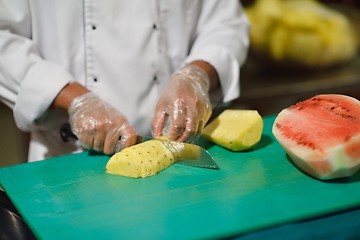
[(66, 133)]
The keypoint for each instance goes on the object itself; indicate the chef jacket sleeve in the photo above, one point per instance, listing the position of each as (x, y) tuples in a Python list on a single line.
[(28, 84), (222, 40)]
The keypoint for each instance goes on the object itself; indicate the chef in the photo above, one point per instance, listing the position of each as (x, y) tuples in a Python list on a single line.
[(116, 69)]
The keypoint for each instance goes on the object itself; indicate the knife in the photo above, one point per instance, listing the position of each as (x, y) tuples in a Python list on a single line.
[(205, 160)]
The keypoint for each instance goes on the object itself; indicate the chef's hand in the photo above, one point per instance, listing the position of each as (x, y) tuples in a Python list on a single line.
[(184, 107), (98, 125)]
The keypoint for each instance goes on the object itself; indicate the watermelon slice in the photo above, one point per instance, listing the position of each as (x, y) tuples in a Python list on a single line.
[(322, 135)]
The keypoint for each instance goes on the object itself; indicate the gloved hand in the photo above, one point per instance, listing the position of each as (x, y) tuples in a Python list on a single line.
[(184, 107), (98, 125)]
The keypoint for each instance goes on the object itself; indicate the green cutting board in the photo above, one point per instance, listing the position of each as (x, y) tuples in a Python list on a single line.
[(71, 197)]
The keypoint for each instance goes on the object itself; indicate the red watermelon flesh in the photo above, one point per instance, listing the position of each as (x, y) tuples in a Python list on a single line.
[(322, 135)]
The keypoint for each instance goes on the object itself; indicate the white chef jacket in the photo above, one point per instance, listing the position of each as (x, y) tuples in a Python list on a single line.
[(125, 51)]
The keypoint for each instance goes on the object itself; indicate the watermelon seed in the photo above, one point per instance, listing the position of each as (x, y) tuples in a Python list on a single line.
[(346, 116), (347, 138)]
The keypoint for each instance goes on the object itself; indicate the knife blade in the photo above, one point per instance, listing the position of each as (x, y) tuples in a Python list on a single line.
[(205, 160)]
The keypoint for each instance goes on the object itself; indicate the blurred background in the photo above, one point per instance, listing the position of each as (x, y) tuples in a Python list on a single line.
[(13, 142), (299, 48)]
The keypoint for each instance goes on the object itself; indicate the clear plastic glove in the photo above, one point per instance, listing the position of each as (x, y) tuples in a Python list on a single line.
[(99, 126), (184, 107)]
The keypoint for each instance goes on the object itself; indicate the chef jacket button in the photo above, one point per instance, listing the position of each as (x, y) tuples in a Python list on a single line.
[(95, 79), (93, 27), (155, 78), (154, 26)]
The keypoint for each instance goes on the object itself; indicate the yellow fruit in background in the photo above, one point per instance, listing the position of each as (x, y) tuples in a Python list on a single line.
[(263, 15), (236, 130), (279, 37), (302, 31), (313, 44)]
